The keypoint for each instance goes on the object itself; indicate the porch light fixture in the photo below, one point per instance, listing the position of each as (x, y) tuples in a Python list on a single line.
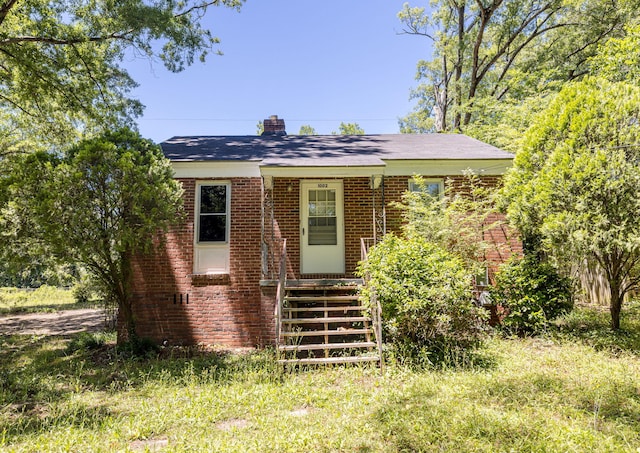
[(376, 180), (289, 187)]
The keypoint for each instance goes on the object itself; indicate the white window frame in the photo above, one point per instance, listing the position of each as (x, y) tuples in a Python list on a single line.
[(211, 257), (482, 278), (438, 181)]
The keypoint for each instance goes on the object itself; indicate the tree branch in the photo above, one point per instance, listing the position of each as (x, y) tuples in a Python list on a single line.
[(66, 42), (197, 7), (6, 8)]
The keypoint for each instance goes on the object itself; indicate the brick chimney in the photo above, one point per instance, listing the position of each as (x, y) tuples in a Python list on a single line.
[(274, 126)]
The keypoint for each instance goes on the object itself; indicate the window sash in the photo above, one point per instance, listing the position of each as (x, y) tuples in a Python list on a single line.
[(213, 214)]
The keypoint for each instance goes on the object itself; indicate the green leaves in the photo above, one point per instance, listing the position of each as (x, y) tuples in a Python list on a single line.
[(425, 294), (575, 184), (495, 62), (531, 294), (99, 205), (61, 60)]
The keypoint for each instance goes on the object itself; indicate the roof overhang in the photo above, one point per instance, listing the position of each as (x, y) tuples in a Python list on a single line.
[(447, 167), (321, 172), (216, 169), (304, 169)]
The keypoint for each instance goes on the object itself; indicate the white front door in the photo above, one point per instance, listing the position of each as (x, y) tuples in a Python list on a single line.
[(322, 227)]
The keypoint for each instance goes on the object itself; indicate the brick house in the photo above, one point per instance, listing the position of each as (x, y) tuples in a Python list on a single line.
[(214, 279)]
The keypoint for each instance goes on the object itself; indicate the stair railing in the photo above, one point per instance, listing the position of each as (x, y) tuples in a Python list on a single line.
[(376, 308), (280, 291)]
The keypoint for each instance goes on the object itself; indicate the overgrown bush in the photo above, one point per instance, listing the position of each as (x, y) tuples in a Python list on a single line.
[(138, 347), (83, 290), (426, 298), (532, 294), (87, 341)]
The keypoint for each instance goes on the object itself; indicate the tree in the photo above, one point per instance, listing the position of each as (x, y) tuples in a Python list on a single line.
[(349, 129), (574, 188), (61, 68), (486, 53), (618, 59), (306, 129), (97, 206)]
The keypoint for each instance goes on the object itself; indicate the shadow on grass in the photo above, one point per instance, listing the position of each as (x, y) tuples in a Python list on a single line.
[(42, 376), (591, 325)]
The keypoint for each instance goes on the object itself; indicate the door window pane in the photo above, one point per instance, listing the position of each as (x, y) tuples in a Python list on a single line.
[(322, 217)]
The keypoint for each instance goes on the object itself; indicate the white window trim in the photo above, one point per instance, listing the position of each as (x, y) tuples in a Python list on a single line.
[(211, 257)]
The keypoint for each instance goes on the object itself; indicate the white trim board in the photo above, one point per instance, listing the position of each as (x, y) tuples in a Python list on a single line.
[(253, 169)]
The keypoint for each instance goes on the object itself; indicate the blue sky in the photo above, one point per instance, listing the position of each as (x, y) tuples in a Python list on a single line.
[(309, 62)]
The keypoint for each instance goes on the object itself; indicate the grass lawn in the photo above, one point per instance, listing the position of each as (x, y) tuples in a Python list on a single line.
[(43, 299), (570, 391)]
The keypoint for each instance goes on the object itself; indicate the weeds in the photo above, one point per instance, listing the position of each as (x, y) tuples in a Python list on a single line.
[(558, 393), (42, 299)]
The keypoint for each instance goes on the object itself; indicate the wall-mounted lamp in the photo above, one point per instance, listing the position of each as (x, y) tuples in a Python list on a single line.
[(290, 187)]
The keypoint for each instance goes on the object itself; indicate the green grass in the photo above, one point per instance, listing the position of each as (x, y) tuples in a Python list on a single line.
[(565, 392), (43, 299)]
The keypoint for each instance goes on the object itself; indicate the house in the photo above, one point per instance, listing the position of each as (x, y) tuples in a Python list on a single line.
[(214, 279)]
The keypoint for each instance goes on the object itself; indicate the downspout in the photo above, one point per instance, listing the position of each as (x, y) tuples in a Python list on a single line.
[(373, 194)]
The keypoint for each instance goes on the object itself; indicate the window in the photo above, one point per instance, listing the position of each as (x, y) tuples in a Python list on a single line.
[(482, 278), (211, 242), (213, 213), (433, 187), (323, 229)]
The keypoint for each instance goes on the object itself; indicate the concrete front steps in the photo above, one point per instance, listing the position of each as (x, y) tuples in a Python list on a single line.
[(323, 322)]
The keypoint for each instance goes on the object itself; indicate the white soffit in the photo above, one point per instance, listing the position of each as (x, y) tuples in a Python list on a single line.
[(446, 167), (252, 169), (321, 172), (216, 169)]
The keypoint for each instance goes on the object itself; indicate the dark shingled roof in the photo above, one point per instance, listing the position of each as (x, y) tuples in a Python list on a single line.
[(329, 150)]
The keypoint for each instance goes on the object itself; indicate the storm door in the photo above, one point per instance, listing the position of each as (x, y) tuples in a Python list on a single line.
[(322, 227)]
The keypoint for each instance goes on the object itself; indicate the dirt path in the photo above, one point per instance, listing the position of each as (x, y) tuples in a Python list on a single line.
[(58, 323)]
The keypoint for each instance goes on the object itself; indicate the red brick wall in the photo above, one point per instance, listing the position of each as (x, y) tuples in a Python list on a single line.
[(233, 309), (358, 220), (506, 241), (221, 309)]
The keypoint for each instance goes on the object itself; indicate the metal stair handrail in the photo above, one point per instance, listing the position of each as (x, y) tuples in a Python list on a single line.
[(280, 291), (376, 308)]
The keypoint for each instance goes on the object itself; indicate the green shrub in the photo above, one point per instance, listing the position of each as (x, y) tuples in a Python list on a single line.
[(83, 290), (426, 299), (531, 294), (87, 341), (140, 347)]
